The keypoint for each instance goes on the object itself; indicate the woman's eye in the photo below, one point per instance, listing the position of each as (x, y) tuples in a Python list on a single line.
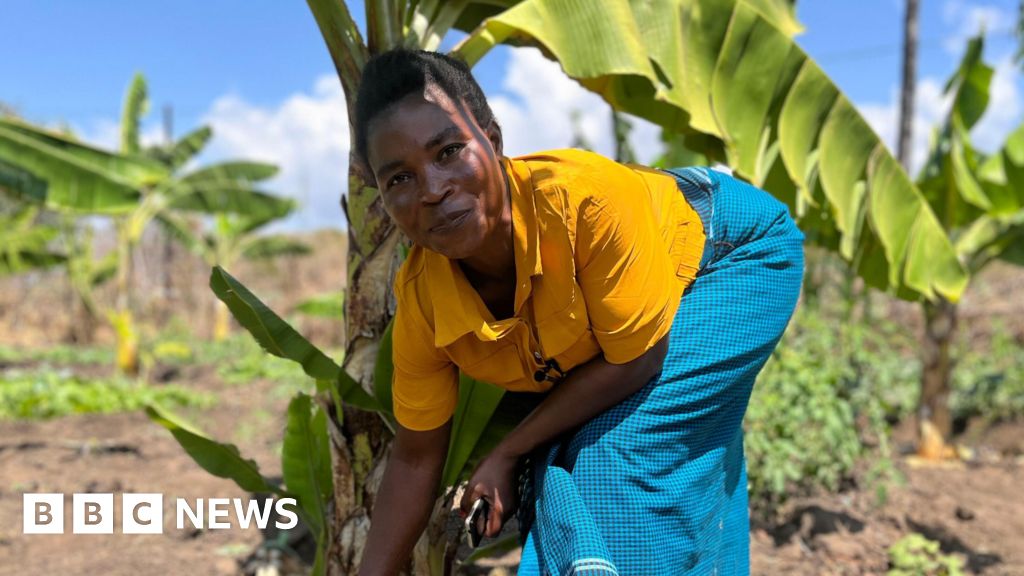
[(450, 150), (397, 179)]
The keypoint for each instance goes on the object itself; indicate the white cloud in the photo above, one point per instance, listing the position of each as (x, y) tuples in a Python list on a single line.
[(306, 135), (968, 20), (536, 104)]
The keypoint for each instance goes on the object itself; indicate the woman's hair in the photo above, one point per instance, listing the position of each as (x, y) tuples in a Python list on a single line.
[(390, 76)]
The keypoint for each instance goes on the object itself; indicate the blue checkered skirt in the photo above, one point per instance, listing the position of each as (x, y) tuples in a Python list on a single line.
[(657, 484)]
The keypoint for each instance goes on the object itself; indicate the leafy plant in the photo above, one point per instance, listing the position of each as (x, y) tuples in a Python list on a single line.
[(48, 394), (821, 406), (989, 380), (915, 555), (58, 355)]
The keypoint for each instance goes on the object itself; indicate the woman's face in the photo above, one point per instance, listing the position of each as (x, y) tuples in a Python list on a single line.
[(439, 173)]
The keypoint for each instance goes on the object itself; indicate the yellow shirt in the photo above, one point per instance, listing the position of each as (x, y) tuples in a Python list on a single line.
[(603, 253)]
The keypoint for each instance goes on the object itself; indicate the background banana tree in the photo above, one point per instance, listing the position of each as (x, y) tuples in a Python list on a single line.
[(132, 187), (979, 201), (85, 273), (228, 239), (723, 75)]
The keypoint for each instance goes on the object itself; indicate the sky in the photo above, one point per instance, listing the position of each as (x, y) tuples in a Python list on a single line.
[(258, 72)]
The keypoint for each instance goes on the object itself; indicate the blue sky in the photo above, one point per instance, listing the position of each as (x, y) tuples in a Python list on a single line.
[(259, 72)]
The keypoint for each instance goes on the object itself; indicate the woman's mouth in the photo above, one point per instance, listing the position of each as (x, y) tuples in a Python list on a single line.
[(450, 222)]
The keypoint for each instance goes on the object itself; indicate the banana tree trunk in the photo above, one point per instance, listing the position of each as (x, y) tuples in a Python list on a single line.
[(127, 341), (935, 424), (221, 322), (360, 440)]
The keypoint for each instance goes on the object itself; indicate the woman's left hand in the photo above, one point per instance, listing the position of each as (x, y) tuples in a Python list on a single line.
[(493, 480)]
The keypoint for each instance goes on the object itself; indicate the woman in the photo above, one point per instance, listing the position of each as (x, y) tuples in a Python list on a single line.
[(563, 273)]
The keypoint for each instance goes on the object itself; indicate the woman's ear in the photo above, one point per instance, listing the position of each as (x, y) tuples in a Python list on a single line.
[(494, 135)]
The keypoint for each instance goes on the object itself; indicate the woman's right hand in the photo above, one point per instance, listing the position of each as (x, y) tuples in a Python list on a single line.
[(405, 500)]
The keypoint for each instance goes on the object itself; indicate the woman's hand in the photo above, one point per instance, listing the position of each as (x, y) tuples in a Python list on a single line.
[(493, 480)]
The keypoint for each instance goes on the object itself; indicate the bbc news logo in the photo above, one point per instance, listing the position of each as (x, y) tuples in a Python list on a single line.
[(144, 513)]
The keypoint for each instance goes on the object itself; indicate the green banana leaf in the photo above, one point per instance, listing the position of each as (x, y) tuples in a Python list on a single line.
[(231, 173), (475, 415), (24, 243), (384, 372), (136, 104), (979, 200), (221, 460), (188, 146), (229, 199), (478, 402), (279, 339), (731, 70), (1002, 176), (21, 183), (306, 460), (78, 177)]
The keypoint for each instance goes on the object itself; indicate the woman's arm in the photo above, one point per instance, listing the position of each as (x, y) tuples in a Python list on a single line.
[(588, 390), (406, 498)]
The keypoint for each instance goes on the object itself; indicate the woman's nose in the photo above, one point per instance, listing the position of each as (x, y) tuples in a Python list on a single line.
[(435, 189)]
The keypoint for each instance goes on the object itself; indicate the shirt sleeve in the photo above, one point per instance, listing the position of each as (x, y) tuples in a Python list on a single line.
[(625, 273), (425, 385)]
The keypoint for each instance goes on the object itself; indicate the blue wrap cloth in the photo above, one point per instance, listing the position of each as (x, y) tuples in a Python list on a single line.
[(657, 484)]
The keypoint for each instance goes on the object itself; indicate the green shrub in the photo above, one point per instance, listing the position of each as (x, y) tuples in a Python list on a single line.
[(823, 403), (988, 380), (48, 394)]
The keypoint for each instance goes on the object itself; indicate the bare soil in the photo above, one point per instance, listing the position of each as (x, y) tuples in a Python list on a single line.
[(974, 510), (127, 453)]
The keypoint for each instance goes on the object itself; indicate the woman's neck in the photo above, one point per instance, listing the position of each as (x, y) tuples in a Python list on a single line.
[(497, 262)]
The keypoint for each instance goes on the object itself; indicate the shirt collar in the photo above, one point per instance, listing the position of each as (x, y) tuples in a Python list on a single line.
[(458, 309)]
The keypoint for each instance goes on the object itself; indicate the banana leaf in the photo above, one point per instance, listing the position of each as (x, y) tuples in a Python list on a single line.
[(730, 69), (279, 339), (77, 176), (221, 460)]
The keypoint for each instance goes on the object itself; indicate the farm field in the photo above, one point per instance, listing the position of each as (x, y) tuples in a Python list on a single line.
[(235, 393)]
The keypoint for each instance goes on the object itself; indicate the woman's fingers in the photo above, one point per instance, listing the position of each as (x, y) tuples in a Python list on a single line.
[(471, 495), (496, 518)]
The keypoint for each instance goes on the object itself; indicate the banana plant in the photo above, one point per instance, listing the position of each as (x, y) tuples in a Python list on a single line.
[(132, 186), (979, 201), (228, 239), (85, 274)]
